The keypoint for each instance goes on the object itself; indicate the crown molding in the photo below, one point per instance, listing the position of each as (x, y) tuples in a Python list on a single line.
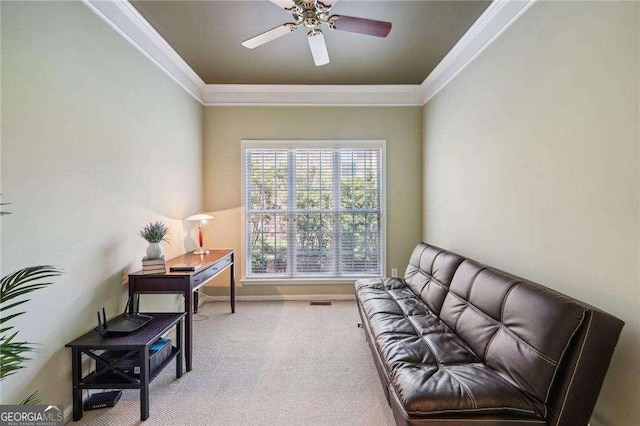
[(316, 95), (488, 27), (131, 25)]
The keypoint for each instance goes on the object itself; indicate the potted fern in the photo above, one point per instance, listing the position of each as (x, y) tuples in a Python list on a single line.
[(154, 234), (13, 289)]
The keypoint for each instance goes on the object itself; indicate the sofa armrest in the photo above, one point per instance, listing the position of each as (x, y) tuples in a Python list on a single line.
[(578, 381)]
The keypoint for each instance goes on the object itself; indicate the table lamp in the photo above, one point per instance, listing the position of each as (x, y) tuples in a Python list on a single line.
[(201, 218)]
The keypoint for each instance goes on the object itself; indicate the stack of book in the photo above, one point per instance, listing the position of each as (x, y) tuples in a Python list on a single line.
[(154, 266)]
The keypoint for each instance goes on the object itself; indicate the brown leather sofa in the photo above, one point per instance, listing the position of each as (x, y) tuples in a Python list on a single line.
[(456, 342)]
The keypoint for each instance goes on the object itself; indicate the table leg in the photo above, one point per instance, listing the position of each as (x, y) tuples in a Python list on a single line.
[(144, 383), (180, 349), (76, 374), (195, 302), (188, 328), (233, 284)]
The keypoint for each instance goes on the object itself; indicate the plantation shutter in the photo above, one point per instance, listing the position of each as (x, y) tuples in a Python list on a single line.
[(313, 211)]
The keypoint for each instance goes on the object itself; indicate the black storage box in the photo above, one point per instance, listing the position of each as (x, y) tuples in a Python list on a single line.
[(158, 353)]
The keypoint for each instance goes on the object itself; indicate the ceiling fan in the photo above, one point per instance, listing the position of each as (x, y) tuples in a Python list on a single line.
[(312, 14)]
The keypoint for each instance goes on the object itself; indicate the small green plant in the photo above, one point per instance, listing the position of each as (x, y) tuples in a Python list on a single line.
[(155, 232), (13, 353)]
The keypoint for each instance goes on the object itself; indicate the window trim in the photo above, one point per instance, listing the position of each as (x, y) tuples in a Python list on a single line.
[(299, 281), (310, 144)]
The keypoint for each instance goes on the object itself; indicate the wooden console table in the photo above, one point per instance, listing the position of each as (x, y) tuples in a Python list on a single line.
[(135, 344), (185, 283)]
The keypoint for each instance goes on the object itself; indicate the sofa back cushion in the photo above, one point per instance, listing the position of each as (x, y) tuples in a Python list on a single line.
[(518, 328), (430, 272)]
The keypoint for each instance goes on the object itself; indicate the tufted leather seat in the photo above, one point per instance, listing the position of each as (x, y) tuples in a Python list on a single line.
[(458, 340)]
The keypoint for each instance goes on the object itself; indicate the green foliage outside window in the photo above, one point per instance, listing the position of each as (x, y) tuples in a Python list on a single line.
[(315, 220)]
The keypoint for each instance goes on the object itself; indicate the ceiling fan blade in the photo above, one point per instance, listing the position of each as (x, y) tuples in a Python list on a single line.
[(318, 48), (268, 36), (360, 25), (285, 4)]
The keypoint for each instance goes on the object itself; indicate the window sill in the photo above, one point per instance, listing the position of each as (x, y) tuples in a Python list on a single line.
[(299, 281)]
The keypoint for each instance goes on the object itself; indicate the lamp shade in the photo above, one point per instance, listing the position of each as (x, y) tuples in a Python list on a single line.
[(200, 216)]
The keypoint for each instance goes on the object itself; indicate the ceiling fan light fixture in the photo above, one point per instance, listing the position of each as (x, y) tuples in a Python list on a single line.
[(318, 47)]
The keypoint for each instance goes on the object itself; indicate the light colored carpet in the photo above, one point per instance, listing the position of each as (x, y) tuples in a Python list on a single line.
[(270, 363)]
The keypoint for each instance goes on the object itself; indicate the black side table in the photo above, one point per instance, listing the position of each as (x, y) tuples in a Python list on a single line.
[(135, 344)]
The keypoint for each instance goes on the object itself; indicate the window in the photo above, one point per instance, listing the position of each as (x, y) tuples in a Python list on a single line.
[(313, 209)]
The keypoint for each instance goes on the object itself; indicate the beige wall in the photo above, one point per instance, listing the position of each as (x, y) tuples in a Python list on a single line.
[(225, 127), (531, 165), (96, 142)]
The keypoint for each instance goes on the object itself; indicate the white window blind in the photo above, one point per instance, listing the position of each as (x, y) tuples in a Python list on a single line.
[(313, 211)]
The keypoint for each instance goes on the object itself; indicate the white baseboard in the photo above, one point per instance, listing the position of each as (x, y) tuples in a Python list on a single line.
[(280, 297), (67, 414)]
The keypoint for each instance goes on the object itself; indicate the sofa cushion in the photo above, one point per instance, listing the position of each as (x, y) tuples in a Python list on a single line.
[(518, 328), (468, 388), (430, 272), (432, 369)]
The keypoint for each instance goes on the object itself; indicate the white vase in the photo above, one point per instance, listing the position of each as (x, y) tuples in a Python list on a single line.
[(155, 251)]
